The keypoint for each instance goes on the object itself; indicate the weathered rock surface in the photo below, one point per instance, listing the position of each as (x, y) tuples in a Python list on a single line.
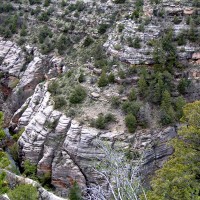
[(23, 76), (64, 147), (67, 150), (58, 144), (11, 56), (14, 179), (118, 45)]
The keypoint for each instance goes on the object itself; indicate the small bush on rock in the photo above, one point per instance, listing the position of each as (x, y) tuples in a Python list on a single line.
[(24, 191), (78, 95), (131, 123)]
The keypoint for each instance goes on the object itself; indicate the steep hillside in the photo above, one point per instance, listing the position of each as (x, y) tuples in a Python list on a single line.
[(74, 74)]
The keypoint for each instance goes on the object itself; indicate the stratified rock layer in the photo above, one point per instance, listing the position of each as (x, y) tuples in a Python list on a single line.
[(67, 150)]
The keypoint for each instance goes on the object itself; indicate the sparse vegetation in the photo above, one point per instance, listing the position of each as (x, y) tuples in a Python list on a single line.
[(2, 133), (178, 178), (103, 120), (132, 62), (103, 80), (30, 169), (131, 123), (78, 95), (23, 192)]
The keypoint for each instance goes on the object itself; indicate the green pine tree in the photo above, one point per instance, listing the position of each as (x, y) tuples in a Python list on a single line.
[(179, 177), (143, 87), (2, 133), (75, 192), (131, 123), (103, 80), (167, 111), (132, 95)]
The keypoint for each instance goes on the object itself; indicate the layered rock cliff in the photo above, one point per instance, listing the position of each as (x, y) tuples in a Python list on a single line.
[(68, 150), (89, 38)]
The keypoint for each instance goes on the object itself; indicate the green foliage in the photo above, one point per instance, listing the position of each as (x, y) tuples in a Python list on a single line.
[(138, 10), (132, 95), (111, 78), (182, 86), (4, 160), (181, 39), (102, 28), (115, 102), (136, 43), (179, 177), (45, 179), (191, 114), (179, 104), (24, 192), (103, 80), (131, 123), (157, 87), (159, 54), (141, 27), (177, 20), (81, 78), (44, 16), (135, 14), (75, 192), (52, 124), (2, 133), (17, 135), (131, 107), (3, 183), (120, 28), (193, 32), (62, 43), (99, 55), (47, 46), (155, 1), (47, 3), (44, 32), (29, 169), (53, 88), (165, 52), (63, 3), (23, 31), (122, 74), (32, 2), (119, 1), (103, 120), (13, 150), (167, 111), (59, 102), (6, 7), (143, 87), (88, 41), (78, 95)]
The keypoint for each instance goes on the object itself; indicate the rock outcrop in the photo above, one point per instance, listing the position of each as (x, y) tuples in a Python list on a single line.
[(68, 150), (21, 72), (14, 180), (57, 144)]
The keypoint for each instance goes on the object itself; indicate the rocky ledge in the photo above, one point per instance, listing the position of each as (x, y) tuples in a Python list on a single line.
[(14, 179), (68, 150)]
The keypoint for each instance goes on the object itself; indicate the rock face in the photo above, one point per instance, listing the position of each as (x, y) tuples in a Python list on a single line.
[(13, 180), (21, 75), (11, 57), (159, 150), (120, 43), (56, 143), (67, 150)]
